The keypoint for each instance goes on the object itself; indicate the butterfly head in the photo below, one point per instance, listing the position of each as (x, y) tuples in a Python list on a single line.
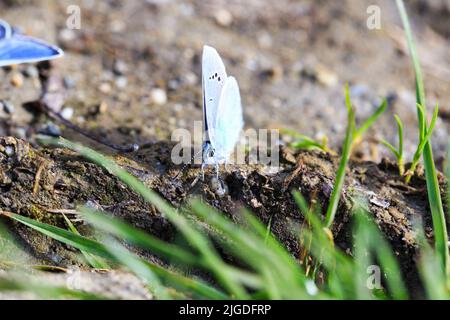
[(208, 153)]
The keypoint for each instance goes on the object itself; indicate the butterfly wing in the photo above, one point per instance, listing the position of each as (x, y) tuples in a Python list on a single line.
[(229, 121), (23, 49), (5, 30), (213, 79)]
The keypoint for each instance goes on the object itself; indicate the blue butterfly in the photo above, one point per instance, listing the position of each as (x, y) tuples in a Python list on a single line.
[(222, 110), (16, 48)]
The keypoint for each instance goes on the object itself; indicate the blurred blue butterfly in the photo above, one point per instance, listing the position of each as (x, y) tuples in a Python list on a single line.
[(16, 48)]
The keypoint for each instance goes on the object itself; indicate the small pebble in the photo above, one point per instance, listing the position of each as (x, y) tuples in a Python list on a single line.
[(223, 18), (17, 80), (105, 88), (7, 106), (81, 119), (107, 76), (358, 90), (173, 84), (20, 133), (117, 26), (103, 107), (158, 96), (9, 151), (276, 103), (92, 204), (67, 113), (218, 187), (121, 82), (52, 130), (120, 67), (178, 107), (265, 40), (273, 73), (320, 74), (190, 78), (67, 35), (380, 202), (69, 82), (326, 76), (31, 71), (255, 203)]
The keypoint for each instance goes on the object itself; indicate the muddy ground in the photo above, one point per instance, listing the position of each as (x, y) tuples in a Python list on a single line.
[(131, 74)]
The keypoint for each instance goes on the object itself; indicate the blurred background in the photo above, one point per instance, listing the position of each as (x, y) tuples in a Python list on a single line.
[(132, 70)]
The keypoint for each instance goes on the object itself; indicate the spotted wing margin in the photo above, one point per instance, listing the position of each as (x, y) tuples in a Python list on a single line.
[(229, 122), (23, 49), (213, 79)]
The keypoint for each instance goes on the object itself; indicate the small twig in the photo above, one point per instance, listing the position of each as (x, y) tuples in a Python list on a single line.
[(10, 264), (63, 211), (6, 213), (37, 177)]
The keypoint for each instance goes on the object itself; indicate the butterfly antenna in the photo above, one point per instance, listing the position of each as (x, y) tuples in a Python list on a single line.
[(55, 115)]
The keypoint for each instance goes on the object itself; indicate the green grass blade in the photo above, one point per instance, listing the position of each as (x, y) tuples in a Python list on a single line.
[(271, 261), (428, 132), (268, 230), (433, 277), (400, 161), (79, 242), (139, 268), (447, 175), (434, 196), (373, 240), (391, 148), (420, 88), (138, 237), (44, 291), (400, 135), (340, 269), (197, 287), (93, 261), (346, 153), (371, 120), (305, 142)]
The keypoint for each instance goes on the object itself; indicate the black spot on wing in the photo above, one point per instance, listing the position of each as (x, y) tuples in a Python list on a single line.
[(215, 76)]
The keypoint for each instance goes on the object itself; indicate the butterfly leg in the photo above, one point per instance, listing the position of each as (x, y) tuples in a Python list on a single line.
[(203, 171), (217, 170), (208, 154)]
